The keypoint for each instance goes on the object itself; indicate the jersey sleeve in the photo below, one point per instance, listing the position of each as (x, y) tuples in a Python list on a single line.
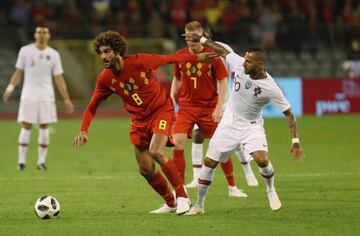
[(219, 69), (101, 93), (153, 61), (278, 98), (235, 61), (20, 62), (58, 69)]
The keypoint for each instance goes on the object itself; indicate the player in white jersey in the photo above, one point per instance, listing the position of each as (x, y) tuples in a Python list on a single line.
[(242, 121), (197, 144), (39, 64)]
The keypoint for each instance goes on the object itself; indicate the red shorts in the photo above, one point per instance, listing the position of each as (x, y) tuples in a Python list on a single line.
[(161, 122), (187, 116)]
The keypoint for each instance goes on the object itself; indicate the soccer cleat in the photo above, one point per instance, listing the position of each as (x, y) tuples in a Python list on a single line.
[(163, 209), (251, 180), (274, 200), (21, 166), (41, 166), (193, 184), (195, 210), (235, 192), (183, 205)]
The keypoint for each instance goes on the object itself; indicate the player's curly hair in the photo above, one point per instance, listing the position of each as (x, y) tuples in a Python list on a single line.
[(112, 39)]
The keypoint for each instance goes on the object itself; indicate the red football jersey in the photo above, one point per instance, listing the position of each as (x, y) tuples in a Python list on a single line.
[(199, 80), (141, 92)]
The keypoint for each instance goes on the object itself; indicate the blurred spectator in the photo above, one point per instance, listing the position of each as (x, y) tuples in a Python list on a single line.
[(268, 24), (352, 62), (273, 23)]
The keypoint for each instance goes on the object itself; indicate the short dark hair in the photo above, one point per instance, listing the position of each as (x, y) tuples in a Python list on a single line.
[(260, 53), (112, 39)]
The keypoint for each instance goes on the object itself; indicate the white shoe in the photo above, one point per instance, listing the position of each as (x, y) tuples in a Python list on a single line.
[(183, 205), (193, 184), (163, 209), (235, 192), (196, 210), (274, 200), (251, 180)]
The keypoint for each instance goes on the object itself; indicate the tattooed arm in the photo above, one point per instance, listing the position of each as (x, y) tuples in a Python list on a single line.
[(219, 49), (296, 150)]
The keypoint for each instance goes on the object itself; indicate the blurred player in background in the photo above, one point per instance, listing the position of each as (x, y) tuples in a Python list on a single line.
[(352, 61), (242, 123), (198, 139), (203, 89), (40, 64), (151, 109)]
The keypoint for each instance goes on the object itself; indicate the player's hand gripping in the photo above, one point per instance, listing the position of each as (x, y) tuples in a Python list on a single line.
[(297, 152), (80, 140), (196, 38)]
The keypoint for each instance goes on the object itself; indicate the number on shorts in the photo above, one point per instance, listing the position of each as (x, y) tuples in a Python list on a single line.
[(162, 124), (137, 99)]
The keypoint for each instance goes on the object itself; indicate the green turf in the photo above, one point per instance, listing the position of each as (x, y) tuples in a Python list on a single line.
[(101, 192)]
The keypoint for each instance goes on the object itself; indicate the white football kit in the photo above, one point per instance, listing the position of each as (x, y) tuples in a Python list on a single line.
[(37, 102), (242, 121)]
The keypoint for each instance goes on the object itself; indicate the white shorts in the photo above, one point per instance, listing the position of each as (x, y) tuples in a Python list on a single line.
[(229, 136), (37, 112)]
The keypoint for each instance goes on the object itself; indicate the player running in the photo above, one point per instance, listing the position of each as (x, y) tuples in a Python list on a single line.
[(151, 110), (242, 122)]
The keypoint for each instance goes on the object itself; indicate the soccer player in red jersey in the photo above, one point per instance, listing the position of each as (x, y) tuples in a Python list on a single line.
[(151, 109), (203, 88)]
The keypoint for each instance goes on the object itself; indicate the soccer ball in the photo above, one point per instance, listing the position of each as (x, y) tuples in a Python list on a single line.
[(47, 207)]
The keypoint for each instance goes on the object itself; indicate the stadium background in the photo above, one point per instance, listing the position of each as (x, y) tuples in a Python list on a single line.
[(99, 188), (305, 39)]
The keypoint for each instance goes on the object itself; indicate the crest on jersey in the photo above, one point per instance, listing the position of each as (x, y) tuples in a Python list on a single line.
[(47, 57), (128, 86), (257, 91), (193, 69), (248, 84)]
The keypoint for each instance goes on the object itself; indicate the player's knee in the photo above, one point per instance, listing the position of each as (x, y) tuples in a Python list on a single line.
[(210, 163), (147, 172), (262, 161), (198, 137)]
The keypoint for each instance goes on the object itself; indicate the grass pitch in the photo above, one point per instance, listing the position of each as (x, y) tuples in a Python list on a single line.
[(101, 192)]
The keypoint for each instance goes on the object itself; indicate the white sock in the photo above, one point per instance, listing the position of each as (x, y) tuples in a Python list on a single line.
[(196, 156), (268, 175), (24, 139), (205, 179), (244, 159), (43, 141)]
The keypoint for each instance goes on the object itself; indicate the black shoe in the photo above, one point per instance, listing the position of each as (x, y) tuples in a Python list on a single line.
[(21, 166), (41, 166)]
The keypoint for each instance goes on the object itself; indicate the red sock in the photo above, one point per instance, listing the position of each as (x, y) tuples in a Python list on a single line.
[(228, 169), (179, 160), (171, 173), (159, 184)]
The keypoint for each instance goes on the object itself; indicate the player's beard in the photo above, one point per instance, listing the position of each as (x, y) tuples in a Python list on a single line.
[(115, 64)]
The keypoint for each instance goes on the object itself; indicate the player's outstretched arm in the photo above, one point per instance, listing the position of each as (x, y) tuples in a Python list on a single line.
[(219, 49), (14, 81), (296, 150), (81, 139)]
